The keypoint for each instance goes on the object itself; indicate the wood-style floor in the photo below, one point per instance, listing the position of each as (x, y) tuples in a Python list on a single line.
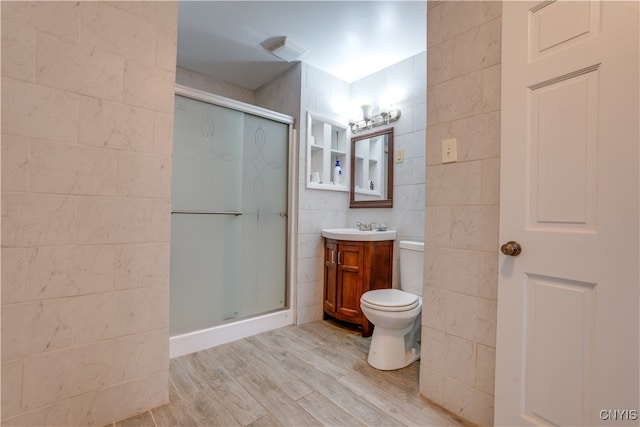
[(310, 375)]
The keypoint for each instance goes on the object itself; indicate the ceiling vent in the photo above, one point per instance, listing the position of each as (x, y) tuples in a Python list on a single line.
[(284, 48)]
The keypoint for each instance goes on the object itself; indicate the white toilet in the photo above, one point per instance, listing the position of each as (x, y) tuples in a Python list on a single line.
[(396, 313)]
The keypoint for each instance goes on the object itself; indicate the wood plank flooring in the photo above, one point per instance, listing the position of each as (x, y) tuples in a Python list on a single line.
[(310, 375)]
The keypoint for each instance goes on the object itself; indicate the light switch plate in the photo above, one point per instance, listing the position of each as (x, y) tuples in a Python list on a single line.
[(449, 150), (399, 155)]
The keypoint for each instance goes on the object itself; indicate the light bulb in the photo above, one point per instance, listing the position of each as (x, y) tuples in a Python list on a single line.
[(366, 112)]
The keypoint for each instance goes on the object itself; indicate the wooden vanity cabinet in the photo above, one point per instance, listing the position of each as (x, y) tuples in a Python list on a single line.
[(352, 268)]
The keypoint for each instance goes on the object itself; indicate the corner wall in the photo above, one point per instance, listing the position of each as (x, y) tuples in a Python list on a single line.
[(317, 209), (87, 131), (462, 208)]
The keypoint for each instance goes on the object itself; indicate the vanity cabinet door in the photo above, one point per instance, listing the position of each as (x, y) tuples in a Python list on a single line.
[(350, 274), (330, 276)]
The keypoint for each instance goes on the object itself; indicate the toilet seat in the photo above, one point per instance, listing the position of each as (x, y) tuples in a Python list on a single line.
[(389, 300)]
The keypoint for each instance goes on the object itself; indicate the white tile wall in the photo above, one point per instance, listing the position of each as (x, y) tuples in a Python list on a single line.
[(462, 207), (87, 122), (39, 111)]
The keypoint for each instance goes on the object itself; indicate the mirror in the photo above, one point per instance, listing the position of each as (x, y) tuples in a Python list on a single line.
[(372, 170)]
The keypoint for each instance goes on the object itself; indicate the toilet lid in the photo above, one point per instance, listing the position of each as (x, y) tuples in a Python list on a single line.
[(390, 299)]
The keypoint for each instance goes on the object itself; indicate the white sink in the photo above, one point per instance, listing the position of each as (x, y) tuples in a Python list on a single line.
[(355, 234)]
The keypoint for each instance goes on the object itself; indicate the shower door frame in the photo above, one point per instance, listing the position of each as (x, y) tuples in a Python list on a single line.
[(193, 341)]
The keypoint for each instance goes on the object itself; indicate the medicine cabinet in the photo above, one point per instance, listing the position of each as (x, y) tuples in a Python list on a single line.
[(372, 170), (326, 142)]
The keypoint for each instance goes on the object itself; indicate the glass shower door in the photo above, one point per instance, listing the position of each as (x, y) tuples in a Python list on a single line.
[(264, 221), (228, 223)]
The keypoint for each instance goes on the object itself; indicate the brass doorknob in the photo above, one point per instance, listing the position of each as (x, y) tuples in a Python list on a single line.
[(511, 248)]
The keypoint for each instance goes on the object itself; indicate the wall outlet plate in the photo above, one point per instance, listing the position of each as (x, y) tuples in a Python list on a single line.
[(399, 155), (449, 150)]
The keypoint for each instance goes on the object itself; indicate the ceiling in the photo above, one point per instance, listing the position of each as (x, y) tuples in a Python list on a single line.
[(347, 39)]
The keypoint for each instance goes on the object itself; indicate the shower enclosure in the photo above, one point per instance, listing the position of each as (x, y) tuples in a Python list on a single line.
[(230, 228)]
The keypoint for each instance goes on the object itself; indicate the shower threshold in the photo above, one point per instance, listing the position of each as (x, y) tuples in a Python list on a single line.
[(192, 341)]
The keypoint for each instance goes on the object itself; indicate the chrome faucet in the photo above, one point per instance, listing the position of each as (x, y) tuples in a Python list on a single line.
[(371, 226), (362, 226)]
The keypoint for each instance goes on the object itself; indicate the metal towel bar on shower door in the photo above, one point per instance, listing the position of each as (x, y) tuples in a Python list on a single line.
[(236, 213)]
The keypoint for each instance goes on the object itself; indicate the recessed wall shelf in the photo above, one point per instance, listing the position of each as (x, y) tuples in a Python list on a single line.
[(326, 142)]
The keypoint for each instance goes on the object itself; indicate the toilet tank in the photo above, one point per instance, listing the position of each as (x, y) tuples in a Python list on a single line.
[(411, 266)]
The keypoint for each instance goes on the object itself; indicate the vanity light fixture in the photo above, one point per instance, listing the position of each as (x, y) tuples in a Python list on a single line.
[(283, 48), (369, 122)]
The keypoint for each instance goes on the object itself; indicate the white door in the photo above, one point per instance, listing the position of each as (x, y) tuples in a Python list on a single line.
[(568, 322)]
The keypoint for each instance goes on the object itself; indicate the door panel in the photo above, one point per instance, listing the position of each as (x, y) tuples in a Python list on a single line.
[(568, 309), (561, 24), (559, 349), (563, 117)]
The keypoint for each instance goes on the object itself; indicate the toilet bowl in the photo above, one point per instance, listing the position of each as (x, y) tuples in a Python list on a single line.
[(396, 313)]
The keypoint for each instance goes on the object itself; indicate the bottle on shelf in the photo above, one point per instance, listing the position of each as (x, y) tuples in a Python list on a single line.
[(337, 174)]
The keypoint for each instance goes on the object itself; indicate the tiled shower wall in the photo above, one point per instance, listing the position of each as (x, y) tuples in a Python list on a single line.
[(87, 127), (462, 208)]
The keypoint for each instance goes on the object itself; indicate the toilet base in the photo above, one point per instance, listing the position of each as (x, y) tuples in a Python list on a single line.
[(394, 348)]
